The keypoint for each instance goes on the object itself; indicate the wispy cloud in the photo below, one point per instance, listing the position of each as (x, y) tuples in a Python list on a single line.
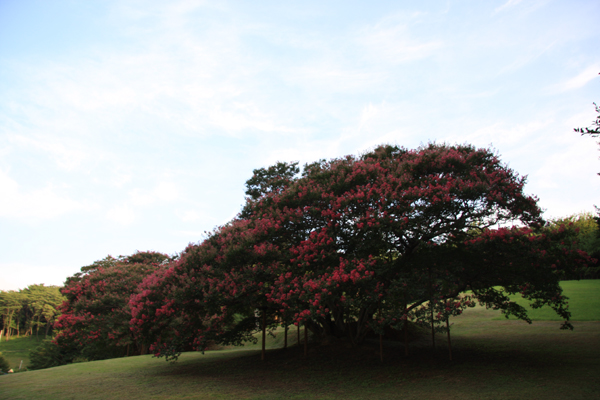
[(391, 41), (508, 4), (31, 205), (578, 81), (67, 156)]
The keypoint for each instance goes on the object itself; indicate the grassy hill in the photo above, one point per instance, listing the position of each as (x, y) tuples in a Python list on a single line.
[(492, 359)]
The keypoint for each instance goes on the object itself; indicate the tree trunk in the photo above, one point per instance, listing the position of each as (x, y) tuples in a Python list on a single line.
[(8, 328), (285, 332), (449, 344), (380, 338), (48, 324), (431, 306), (405, 326), (432, 329), (305, 340), (264, 334), (37, 328)]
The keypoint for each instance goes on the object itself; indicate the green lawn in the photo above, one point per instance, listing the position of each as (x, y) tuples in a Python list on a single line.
[(492, 359), (584, 302), (17, 349)]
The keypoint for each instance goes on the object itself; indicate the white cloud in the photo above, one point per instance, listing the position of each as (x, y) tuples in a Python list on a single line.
[(578, 81), (390, 41), (577, 162), (42, 203), (120, 178), (164, 191), (502, 135), (191, 215), (67, 156), (121, 214), (242, 116), (6, 285), (127, 212), (25, 274), (333, 77)]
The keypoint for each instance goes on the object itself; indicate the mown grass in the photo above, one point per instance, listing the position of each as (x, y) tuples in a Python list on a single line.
[(584, 302), (492, 359), (17, 349)]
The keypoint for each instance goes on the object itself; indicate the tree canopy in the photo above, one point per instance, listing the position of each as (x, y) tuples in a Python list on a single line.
[(95, 316), (359, 244)]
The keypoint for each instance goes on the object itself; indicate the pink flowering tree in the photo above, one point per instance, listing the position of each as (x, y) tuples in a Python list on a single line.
[(369, 236), (216, 292), (360, 244), (95, 317)]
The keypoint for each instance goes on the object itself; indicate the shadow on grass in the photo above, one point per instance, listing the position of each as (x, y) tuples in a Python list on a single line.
[(491, 360), (480, 365)]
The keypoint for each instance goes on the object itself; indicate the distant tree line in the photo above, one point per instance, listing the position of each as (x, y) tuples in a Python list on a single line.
[(585, 227), (26, 311)]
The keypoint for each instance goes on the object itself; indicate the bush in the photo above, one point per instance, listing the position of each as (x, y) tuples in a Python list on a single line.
[(4, 367), (47, 355)]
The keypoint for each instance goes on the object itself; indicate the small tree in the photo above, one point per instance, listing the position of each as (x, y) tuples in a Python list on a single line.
[(48, 354)]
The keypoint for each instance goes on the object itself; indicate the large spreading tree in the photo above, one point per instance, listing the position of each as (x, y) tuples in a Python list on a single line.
[(360, 244)]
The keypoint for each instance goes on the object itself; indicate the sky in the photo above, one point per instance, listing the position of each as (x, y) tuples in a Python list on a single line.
[(133, 125)]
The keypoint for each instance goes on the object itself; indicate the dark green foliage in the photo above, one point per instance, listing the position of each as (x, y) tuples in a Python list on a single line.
[(4, 367), (48, 355), (145, 257), (273, 178)]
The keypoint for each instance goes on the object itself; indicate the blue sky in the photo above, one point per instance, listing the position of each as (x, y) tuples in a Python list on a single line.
[(133, 125)]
